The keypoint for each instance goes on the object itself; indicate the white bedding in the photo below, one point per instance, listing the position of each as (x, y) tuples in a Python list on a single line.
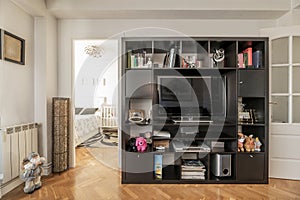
[(86, 126)]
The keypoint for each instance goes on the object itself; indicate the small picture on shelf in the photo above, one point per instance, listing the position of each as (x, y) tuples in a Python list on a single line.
[(158, 166)]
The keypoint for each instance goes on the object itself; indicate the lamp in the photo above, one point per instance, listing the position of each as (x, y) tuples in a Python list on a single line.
[(94, 50)]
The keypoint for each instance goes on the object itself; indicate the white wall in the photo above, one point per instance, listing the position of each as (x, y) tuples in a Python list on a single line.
[(95, 77), (17, 81)]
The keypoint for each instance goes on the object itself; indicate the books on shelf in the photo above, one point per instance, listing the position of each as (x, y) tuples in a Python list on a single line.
[(193, 169), (247, 58)]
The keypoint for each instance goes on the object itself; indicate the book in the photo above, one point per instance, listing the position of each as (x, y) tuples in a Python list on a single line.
[(192, 164), (248, 56), (192, 173), (158, 166), (193, 177), (257, 59), (241, 60)]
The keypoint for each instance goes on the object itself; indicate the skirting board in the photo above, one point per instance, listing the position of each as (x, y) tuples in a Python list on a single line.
[(12, 184)]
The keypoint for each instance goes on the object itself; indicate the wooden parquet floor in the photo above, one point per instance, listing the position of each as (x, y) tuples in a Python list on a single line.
[(93, 180)]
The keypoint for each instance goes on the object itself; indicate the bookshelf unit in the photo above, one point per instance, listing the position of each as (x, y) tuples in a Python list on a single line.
[(244, 74)]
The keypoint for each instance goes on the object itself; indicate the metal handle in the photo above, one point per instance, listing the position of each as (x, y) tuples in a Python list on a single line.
[(251, 156), (241, 82), (273, 102)]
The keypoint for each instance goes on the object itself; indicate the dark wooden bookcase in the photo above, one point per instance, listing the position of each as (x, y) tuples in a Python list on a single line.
[(246, 86)]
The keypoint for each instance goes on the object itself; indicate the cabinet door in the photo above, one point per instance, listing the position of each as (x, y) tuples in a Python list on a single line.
[(138, 83), (251, 83), (250, 167), (139, 167)]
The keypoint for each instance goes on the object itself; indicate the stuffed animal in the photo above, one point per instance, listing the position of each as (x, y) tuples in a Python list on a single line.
[(32, 172), (241, 140), (130, 146), (141, 144), (257, 144), (249, 143)]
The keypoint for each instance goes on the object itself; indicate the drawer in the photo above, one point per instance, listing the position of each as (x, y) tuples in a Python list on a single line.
[(138, 83), (251, 83), (250, 167), (139, 167)]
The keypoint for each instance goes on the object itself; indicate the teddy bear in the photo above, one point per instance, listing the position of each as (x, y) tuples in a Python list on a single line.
[(141, 144), (241, 140), (32, 172), (249, 143), (130, 146)]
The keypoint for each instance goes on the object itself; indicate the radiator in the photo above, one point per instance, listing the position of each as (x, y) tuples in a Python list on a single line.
[(15, 144), (109, 116)]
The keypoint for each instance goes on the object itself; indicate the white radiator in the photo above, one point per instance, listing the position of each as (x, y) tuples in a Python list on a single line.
[(15, 144)]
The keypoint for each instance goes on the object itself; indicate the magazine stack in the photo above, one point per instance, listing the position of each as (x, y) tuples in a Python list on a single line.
[(193, 169)]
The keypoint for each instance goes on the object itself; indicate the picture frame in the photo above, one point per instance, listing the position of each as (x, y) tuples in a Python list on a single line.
[(0, 44), (13, 48)]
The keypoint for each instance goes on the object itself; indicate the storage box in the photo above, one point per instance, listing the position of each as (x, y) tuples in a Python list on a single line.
[(161, 143)]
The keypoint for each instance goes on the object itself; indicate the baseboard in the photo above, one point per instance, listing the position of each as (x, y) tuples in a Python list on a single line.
[(10, 185), (47, 169)]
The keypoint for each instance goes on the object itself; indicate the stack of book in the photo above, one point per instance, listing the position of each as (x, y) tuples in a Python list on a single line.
[(193, 169)]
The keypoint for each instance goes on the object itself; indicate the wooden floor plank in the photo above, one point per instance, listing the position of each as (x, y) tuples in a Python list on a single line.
[(93, 180)]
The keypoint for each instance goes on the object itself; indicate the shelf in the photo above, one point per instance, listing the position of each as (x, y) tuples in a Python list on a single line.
[(142, 91), (250, 124), (139, 68), (204, 136)]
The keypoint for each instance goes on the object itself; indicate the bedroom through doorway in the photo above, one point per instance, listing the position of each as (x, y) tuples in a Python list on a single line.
[(95, 124)]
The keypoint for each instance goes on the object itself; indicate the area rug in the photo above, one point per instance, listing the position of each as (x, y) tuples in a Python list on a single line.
[(104, 147)]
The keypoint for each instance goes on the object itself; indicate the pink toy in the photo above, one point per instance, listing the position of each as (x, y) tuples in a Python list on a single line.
[(141, 144)]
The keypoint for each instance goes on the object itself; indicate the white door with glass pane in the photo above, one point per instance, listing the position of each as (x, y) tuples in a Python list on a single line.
[(285, 107)]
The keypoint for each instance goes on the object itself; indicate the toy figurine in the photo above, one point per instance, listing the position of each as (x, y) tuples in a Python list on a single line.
[(249, 143), (32, 172), (241, 140), (257, 144), (141, 144)]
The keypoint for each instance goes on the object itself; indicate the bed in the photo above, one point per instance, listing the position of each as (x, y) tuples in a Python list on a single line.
[(87, 123)]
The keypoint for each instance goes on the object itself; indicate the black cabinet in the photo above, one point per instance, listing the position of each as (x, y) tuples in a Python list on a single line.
[(251, 83), (250, 167), (138, 83), (139, 167), (239, 104)]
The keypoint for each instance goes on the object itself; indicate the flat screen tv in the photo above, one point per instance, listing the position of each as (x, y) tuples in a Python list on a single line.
[(203, 96)]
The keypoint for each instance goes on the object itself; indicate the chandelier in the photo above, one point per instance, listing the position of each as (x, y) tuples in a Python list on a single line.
[(94, 50)]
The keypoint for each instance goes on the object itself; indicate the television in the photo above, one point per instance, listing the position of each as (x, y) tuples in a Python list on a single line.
[(199, 96)]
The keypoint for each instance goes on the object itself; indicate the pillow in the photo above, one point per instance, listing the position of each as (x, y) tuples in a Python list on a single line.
[(78, 110), (88, 111)]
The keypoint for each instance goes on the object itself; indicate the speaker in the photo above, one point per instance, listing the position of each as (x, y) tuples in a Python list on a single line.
[(221, 165)]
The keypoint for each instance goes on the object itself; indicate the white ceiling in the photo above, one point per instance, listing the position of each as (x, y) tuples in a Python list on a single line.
[(164, 9)]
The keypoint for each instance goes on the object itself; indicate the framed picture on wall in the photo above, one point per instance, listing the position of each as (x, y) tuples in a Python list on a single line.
[(0, 44), (13, 48)]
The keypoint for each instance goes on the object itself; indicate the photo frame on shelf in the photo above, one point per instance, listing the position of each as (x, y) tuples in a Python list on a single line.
[(13, 48)]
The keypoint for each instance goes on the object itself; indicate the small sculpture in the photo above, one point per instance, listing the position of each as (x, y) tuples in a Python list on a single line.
[(241, 140), (141, 144), (249, 143), (218, 55), (32, 172), (257, 144)]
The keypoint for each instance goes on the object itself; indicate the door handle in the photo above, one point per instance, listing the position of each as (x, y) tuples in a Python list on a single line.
[(273, 102)]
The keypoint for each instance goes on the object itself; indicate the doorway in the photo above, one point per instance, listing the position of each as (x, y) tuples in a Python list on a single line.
[(95, 124)]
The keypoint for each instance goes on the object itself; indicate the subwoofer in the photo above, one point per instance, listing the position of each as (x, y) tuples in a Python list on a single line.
[(221, 165)]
